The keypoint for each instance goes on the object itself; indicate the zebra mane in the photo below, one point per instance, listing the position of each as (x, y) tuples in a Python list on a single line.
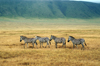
[(72, 37), (23, 36), (39, 36), (53, 36)]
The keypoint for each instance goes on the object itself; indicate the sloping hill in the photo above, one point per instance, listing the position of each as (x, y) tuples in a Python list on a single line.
[(49, 9)]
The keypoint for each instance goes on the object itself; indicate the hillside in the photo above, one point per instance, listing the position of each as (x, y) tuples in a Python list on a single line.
[(49, 9)]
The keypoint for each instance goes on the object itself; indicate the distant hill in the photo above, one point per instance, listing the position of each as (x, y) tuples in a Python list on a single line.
[(48, 9)]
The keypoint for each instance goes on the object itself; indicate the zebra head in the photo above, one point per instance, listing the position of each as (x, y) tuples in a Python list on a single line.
[(51, 37), (70, 38), (22, 38)]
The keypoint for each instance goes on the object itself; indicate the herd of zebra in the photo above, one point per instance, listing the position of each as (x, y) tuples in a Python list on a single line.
[(57, 40)]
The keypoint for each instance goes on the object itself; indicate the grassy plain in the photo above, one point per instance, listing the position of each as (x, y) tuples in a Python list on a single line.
[(12, 52), (48, 24)]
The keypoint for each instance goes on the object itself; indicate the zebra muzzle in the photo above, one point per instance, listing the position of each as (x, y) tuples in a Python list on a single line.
[(20, 40), (68, 40)]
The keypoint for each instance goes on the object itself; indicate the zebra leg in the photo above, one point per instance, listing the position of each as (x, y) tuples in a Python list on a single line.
[(48, 44), (36, 44), (62, 44), (27, 44), (76, 46), (45, 46), (65, 45), (42, 45), (56, 44), (24, 45), (73, 46), (33, 45), (82, 47)]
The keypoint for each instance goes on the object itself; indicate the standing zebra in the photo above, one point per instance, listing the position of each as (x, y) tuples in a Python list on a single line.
[(28, 40), (43, 40), (58, 40), (77, 41)]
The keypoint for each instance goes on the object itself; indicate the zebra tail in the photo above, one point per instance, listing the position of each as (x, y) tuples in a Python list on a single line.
[(85, 44)]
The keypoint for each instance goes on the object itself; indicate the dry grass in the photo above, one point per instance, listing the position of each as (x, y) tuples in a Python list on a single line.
[(12, 52)]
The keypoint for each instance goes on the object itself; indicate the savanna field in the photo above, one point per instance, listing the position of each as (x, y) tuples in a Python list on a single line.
[(12, 52)]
